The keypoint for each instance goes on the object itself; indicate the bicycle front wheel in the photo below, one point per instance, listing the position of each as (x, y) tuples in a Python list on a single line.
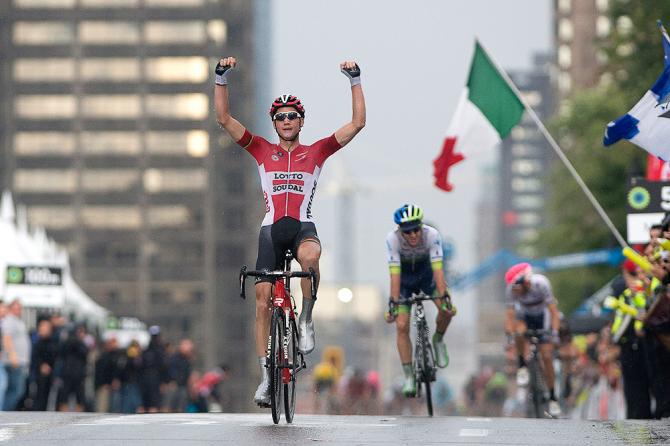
[(290, 372), (276, 363), (425, 364), (428, 373), (429, 398)]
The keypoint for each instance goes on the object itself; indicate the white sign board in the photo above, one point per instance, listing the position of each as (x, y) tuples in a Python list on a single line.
[(639, 225)]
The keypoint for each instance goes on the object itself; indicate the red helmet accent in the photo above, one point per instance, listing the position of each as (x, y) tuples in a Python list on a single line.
[(517, 271), (287, 100)]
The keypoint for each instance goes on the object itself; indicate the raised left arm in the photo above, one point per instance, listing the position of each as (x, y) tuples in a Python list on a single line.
[(347, 132)]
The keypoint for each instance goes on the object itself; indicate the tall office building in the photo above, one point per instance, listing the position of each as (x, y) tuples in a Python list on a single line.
[(525, 160), (108, 136), (578, 24)]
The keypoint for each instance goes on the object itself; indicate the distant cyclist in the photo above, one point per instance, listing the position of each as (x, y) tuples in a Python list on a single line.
[(531, 305), (289, 171), (415, 265)]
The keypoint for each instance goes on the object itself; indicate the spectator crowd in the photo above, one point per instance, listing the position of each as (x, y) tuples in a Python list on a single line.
[(63, 366)]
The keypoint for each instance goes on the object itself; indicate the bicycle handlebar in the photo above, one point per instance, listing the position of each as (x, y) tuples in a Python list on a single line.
[(535, 334), (276, 275), (421, 297)]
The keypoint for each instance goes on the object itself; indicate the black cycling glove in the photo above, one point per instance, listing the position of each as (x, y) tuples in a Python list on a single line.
[(354, 74), (220, 72)]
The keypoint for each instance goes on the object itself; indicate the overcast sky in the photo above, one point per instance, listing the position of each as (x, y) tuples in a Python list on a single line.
[(414, 58)]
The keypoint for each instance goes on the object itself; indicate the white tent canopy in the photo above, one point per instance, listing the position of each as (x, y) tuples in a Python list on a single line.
[(35, 270)]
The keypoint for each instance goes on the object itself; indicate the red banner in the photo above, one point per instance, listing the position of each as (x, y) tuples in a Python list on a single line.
[(657, 169)]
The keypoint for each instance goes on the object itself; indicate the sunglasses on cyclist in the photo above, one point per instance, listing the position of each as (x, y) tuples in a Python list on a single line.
[(520, 281), (284, 115), (411, 231)]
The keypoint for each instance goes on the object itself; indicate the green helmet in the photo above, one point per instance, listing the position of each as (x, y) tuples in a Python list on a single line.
[(408, 216)]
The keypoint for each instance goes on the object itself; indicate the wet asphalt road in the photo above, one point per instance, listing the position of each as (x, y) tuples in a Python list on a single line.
[(48, 428)]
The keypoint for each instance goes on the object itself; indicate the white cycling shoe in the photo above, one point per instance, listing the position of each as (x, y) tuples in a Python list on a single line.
[(307, 340), (522, 377), (262, 396), (554, 409)]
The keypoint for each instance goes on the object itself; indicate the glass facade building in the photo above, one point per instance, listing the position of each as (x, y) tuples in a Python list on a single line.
[(108, 137)]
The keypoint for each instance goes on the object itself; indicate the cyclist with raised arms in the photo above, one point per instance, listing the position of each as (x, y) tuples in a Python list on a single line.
[(415, 265), (531, 305), (289, 171)]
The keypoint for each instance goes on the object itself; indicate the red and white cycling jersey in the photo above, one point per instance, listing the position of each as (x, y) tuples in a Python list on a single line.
[(288, 179)]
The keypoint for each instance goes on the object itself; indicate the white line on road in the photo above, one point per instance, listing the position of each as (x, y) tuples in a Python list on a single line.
[(6, 433), (198, 422), (14, 424), (479, 419), (112, 423), (473, 433), (323, 424)]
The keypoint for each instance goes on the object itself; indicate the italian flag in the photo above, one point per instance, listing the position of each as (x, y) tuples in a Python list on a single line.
[(487, 111)]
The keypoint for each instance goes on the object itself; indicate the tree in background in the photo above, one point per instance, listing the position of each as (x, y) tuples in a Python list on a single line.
[(634, 59)]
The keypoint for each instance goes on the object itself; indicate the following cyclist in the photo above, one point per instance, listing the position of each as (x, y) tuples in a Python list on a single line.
[(289, 171), (415, 265), (531, 305)]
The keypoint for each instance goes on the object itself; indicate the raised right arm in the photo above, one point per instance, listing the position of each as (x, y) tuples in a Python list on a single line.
[(223, 116)]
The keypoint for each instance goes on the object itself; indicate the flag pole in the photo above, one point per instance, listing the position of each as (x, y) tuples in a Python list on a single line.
[(554, 145)]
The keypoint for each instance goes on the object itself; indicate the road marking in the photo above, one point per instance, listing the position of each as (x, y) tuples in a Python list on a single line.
[(198, 422), (6, 433), (324, 424), (112, 423), (473, 433), (342, 423), (14, 424), (479, 419)]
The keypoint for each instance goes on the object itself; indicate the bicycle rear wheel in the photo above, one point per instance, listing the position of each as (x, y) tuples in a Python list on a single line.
[(535, 390), (293, 365), (276, 362)]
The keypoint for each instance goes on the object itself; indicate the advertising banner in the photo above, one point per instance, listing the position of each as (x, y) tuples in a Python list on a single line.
[(647, 202)]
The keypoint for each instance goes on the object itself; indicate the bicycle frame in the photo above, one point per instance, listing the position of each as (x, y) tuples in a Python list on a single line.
[(422, 343), (281, 298), (284, 361), (536, 395), (424, 361)]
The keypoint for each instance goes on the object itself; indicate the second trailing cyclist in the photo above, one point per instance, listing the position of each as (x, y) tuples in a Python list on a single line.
[(415, 265), (531, 305)]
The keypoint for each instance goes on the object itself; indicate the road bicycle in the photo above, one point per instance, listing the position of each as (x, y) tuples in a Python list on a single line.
[(424, 359), (536, 406), (284, 361)]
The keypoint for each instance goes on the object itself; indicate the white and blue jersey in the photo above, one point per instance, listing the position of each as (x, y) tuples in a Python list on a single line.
[(415, 264)]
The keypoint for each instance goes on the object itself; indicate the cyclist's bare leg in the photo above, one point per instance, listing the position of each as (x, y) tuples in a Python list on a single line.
[(443, 317), (309, 252), (441, 324), (402, 322), (402, 338), (519, 338), (263, 292), (547, 355)]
